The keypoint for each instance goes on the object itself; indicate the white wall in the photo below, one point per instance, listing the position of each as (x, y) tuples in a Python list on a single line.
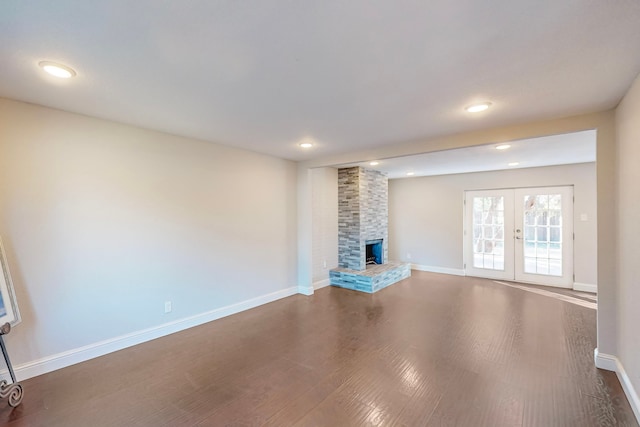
[(324, 183), (426, 214), (104, 222), (628, 234)]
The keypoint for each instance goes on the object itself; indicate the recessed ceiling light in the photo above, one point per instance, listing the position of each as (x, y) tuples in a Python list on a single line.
[(476, 108), (513, 164), (306, 142), (503, 147), (410, 173), (374, 163), (57, 70)]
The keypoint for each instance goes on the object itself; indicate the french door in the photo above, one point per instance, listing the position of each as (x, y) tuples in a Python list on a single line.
[(523, 234)]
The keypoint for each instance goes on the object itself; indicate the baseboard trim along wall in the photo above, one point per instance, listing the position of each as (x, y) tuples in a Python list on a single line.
[(612, 363), (305, 290), (444, 270), (321, 284), (585, 287), (81, 354)]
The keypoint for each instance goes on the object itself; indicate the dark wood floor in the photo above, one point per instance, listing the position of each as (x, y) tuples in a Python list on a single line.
[(431, 350)]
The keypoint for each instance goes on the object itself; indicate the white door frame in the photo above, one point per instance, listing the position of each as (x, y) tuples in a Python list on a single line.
[(513, 240)]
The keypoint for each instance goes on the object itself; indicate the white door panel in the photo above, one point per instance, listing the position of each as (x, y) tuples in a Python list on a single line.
[(489, 234), (544, 236)]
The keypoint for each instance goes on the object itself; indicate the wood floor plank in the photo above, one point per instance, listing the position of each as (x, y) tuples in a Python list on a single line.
[(431, 350)]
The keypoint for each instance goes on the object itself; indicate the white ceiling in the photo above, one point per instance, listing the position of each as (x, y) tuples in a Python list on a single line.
[(577, 147), (352, 75)]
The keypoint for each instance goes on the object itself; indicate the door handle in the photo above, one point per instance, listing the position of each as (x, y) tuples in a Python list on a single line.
[(518, 238)]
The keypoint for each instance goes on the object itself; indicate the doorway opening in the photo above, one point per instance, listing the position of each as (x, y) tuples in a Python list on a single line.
[(521, 234)]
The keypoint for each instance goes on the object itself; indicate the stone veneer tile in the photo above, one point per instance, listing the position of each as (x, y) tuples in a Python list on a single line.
[(372, 279), (363, 214)]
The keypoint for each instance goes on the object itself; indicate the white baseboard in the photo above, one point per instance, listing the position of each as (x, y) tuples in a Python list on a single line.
[(585, 287), (605, 361), (81, 354), (321, 284), (444, 270), (612, 363), (305, 290)]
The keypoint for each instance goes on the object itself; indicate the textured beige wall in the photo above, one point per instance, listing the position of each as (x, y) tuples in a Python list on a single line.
[(628, 235), (325, 221), (607, 225), (104, 222)]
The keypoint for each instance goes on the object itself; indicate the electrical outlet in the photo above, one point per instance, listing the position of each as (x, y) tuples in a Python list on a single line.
[(408, 255), (324, 263), (167, 306)]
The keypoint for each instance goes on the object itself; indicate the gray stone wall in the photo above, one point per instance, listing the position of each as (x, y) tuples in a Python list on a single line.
[(374, 209), (349, 218), (363, 214)]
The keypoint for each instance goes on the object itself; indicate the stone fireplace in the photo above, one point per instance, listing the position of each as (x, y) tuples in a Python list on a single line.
[(363, 217)]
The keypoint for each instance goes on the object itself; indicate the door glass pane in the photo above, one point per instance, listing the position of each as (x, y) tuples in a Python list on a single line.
[(488, 233), (530, 234), (542, 202), (555, 251), (529, 249), (543, 234)]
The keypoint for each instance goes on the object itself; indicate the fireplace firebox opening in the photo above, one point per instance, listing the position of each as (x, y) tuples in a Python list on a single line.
[(374, 252)]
